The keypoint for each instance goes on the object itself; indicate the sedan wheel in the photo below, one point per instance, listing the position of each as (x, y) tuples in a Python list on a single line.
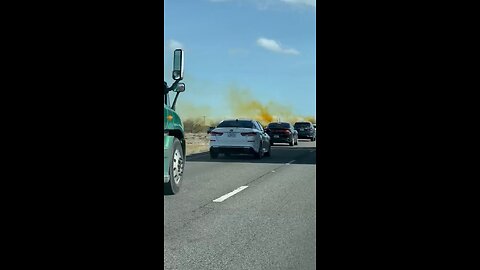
[(259, 154), (269, 153), (213, 154)]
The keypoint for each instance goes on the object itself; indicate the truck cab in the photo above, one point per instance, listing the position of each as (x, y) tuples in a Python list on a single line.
[(174, 145)]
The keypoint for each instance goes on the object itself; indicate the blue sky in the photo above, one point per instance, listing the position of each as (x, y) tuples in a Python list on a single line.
[(265, 49)]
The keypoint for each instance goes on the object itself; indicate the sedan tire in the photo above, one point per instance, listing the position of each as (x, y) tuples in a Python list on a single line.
[(213, 154), (259, 154), (269, 153)]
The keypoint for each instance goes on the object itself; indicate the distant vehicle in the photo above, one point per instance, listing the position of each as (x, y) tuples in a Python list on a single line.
[(239, 137), (305, 130), (210, 129), (281, 132)]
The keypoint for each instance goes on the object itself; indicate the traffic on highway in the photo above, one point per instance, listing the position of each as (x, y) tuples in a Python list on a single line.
[(240, 145)]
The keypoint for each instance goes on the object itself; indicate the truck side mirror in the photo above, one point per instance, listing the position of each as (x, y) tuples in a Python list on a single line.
[(180, 87), (177, 73)]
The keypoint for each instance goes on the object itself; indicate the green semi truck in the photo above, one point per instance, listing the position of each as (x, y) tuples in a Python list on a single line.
[(173, 131)]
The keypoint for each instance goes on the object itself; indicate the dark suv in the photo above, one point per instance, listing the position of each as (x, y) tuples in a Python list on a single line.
[(282, 133), (305, 130)]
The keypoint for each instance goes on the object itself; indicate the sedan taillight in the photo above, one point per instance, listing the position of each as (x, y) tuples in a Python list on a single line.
[(213, 133)]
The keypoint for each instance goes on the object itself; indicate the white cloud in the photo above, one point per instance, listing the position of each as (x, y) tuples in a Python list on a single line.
[(291, 51), (173, 44), (312, 3), (274, 46), (264, 4), (269, 44)]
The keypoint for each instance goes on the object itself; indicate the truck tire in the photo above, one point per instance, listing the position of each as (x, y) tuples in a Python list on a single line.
[(177, 164)]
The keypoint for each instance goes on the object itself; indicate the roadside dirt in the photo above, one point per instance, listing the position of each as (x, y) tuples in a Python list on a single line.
[(197, 142)]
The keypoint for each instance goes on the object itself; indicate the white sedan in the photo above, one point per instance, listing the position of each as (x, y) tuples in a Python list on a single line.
[(239, 137)]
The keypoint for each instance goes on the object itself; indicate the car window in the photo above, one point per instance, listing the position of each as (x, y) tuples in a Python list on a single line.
[(234, 123), (302, 125), (279, 125), (260, 127)]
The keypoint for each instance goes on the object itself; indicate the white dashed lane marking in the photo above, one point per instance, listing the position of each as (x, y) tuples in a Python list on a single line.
[(228, 195)]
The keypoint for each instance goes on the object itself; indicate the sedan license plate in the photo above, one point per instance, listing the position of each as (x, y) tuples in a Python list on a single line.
[(231, 134), (276, 136), (302, 129)]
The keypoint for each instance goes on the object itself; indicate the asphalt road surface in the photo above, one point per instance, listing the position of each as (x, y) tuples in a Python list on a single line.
[(268, 222)]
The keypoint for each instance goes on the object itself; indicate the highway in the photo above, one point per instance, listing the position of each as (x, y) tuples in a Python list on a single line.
[(240, 213)]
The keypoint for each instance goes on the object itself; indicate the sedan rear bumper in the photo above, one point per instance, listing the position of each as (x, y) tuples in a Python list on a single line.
[(305, 135), (233, 149), (281, 140)]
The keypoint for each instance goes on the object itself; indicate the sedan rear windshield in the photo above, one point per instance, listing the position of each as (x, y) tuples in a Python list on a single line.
[(279, 125), (239, 124), (302, 125)]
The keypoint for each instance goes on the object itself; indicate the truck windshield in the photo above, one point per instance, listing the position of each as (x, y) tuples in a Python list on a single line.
[(166, 100)]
